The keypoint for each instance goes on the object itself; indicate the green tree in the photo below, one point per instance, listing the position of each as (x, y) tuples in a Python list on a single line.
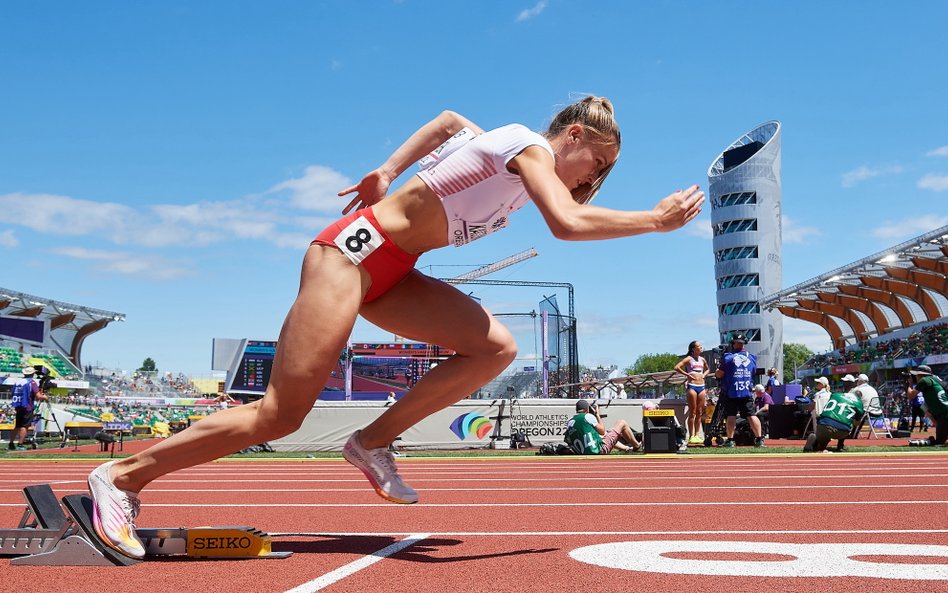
[(653, 363), (794, 355), (148, 365)]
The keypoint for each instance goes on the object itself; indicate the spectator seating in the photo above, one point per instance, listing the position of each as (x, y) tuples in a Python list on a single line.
[(930, 340), (58, 363), (11, 361)]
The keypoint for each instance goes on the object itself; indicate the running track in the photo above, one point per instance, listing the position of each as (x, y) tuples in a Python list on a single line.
[(727, 523)]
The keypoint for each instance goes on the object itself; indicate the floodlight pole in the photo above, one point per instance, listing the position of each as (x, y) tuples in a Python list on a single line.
[(544, 320), (348, 371)]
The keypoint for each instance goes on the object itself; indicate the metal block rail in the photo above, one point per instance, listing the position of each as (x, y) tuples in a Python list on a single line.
[(47, 536)]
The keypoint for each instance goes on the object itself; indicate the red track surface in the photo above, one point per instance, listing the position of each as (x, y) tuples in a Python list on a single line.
[(510, 524)]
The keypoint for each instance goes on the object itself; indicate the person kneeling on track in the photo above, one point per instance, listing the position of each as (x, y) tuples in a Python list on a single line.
[(923, 381), (834, 422), (586, 434)]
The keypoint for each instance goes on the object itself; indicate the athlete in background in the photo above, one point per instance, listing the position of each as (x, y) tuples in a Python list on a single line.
[(695, 368)]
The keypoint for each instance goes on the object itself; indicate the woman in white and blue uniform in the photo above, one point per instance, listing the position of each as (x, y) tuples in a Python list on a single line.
[(695, 368)]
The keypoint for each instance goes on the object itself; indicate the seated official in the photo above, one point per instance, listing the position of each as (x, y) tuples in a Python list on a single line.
[(762, 401), (586, 434), (834, 422)]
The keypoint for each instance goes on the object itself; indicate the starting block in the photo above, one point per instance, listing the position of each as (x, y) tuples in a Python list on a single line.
[(47, 536)]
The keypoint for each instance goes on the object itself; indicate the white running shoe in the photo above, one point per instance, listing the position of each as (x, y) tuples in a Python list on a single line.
[(114, 513), (379, 467)]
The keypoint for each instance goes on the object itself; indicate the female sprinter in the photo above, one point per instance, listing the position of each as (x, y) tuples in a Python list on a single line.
[(695, 368), (363, 265)]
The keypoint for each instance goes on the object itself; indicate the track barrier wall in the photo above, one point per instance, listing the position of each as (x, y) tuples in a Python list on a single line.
[(468, 424)]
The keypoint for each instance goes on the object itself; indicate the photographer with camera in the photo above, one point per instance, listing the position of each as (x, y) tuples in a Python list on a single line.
[(26, 392), (835, 421), (737, 372), (586, 434), (922, 380)]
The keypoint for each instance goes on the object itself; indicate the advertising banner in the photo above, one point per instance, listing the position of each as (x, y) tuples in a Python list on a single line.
[(468, 424)]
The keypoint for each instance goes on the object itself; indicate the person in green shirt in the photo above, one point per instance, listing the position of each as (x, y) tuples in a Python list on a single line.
[(936, 402), (836, 421), (586, 434)]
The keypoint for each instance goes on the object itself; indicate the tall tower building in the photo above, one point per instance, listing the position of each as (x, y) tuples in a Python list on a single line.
[(744, 191)]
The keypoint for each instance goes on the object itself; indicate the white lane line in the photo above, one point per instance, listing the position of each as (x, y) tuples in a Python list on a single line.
[(321, 505), (355, 566), (83, 488), (416, 464), (601, 533), (519, 479), (585, 469)]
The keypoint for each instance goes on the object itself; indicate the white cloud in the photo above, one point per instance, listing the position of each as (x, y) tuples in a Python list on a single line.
[(940, 151), (934, 182), (270, 216), (701, 228), (705, 321), (8, 239), (47, 213), (317, 189), (591, 325), (910, 227), (124, 263), (792, 233), (529, 13), (858, 175)]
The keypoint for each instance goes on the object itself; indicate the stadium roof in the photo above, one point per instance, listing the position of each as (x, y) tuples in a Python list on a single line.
[(895, 288), (69, 324)]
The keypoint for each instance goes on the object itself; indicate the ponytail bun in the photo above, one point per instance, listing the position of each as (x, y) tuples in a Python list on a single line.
[(600, 101)]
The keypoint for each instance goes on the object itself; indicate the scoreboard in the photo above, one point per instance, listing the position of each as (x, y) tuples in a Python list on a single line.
[(252, 372), (377, 366), (400, 350)]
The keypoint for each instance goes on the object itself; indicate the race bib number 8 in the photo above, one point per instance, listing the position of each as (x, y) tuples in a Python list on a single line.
[(358, 240)]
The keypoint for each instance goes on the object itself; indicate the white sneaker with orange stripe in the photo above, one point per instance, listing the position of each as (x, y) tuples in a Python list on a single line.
[(114, 513), (379, 467)]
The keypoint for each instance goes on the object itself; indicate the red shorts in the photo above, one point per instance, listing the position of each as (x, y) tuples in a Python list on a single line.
[(360, 238)]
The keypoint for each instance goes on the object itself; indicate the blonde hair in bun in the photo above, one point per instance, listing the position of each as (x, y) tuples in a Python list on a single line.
[(597, 116)]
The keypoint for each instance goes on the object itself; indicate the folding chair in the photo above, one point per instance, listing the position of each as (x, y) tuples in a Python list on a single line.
[(874, 411)]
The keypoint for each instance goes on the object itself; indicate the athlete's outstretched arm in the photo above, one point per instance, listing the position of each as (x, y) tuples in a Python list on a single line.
[(374, 186), (581, 222)]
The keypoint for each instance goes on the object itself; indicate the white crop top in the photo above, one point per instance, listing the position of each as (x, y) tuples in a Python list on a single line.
[(695, 365), (469, 173)]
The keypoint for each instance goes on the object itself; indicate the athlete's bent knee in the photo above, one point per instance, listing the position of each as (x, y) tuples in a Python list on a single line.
[(274, 423)]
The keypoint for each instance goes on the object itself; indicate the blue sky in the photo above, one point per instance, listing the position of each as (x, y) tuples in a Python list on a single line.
[(171, 160)]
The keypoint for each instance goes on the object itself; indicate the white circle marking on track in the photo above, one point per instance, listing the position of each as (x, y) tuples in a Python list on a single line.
[(809, 560)]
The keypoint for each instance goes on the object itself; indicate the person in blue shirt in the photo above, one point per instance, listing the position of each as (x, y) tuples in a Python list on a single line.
[(26, 393), (772, 381), (737, 372)]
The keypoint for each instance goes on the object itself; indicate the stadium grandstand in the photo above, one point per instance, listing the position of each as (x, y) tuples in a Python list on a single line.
[(883, 313), (56, 336), (41, 332)]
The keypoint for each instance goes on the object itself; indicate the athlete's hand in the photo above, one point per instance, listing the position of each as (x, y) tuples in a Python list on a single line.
[(370, 190), (678, 209)]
